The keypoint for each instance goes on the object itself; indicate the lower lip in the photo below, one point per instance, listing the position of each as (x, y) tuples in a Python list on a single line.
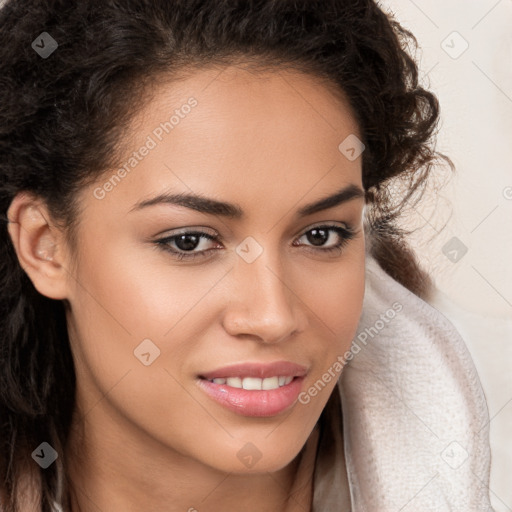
[(254, 402)]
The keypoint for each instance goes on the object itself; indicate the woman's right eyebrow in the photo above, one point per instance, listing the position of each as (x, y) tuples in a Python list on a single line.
[(213, 206)]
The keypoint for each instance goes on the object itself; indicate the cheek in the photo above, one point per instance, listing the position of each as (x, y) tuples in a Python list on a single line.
[(125, 300), (127, 306), (133, 294), (334, 297), (343, 307), (136, 316)]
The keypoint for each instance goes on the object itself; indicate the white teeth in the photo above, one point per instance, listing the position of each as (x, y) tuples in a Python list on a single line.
[(270, 383), (253, 383), (234, 382)]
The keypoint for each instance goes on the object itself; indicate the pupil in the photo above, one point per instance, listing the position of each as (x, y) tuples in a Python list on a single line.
[(183, 242), (315, 237)]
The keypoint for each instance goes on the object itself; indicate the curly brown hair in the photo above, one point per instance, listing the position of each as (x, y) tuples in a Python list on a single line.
[(62, 119)]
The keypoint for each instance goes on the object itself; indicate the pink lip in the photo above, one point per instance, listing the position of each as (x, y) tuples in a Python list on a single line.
[(259, 403), (259, 370), (255, 403)]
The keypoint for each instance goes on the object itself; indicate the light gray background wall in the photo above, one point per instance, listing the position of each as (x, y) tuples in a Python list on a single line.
[(466, 59)]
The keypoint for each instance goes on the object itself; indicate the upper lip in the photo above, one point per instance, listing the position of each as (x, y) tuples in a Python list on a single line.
[(258, 370)]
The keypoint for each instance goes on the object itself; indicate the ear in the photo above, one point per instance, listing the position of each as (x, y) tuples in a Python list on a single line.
[(39, 245)]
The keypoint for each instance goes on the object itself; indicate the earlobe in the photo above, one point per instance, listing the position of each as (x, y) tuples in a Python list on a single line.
[(38, 245)]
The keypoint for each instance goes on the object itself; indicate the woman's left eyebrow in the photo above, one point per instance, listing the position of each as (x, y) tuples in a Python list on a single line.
[(342, 196), (212, 206)]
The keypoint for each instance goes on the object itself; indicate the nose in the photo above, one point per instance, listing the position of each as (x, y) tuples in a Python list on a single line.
[(262, 301)]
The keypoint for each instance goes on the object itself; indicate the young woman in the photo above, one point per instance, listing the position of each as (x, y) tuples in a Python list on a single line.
[(198, 208)]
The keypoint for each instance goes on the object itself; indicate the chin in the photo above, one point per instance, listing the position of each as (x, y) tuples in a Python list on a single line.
[(257, 457)]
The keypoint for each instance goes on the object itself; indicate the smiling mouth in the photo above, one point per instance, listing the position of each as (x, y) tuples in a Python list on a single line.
[(253, 383), (253, 396)]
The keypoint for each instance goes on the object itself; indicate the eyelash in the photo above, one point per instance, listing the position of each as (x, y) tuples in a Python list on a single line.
[(346, 234)]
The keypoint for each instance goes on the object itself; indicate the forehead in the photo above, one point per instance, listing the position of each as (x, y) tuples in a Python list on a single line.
[(235, 97), (236, 134)]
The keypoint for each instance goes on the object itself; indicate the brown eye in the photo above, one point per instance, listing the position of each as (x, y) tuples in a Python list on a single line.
[(183, 245), (318, 236)]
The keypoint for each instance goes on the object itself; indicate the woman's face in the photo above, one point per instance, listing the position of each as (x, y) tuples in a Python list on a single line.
[(256, 286)]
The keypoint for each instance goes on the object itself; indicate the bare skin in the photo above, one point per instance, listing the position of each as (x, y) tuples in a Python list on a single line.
[(153, 440)]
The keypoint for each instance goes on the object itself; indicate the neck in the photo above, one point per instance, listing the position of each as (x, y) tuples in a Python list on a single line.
[(109, 472)]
